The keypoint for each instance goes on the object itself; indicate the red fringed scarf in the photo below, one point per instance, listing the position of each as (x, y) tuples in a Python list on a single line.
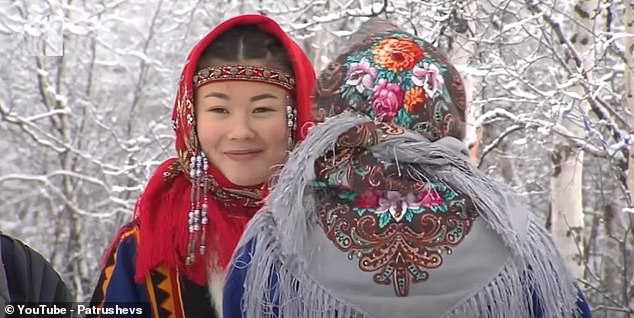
[(168, 228), (162, 209)]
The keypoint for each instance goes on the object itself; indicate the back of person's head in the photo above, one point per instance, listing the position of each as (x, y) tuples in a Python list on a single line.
[(393, 76), (379, 211)]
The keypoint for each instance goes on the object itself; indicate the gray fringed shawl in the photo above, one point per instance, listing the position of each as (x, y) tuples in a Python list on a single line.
[(505, 264)]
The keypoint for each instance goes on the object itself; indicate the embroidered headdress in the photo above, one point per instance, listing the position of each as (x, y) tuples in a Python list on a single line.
[(379, 214), (244, 73)]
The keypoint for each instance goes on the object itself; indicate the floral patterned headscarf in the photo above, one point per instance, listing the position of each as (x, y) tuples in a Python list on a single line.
[(402, 83), (397, 78)]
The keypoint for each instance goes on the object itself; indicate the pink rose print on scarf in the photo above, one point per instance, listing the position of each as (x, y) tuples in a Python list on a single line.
[(397, 205), (429, 198), (386, 100), (361, 75), (367, 200), (428, 77), (393, 203)]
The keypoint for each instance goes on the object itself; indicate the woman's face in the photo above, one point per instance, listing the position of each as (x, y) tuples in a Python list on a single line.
[(242, 128)]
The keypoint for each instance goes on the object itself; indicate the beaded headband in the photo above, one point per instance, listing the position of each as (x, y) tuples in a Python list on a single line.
[(244, 72)]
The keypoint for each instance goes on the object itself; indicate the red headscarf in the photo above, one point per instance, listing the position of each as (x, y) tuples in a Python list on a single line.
[(162, 209)]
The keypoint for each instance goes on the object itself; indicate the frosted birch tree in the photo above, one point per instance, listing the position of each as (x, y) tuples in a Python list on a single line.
[(567, 217)]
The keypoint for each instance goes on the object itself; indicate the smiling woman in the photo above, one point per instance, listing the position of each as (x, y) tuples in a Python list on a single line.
[(238, 112), (242, 128)]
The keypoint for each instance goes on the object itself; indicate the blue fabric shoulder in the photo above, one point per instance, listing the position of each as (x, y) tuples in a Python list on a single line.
[(116, 284), (583, 308), (235, 281), (122, 287)]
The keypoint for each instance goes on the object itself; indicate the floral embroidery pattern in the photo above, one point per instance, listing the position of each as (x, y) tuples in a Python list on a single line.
[(397, 54), (413, 98), (361, 75), (386, 100), (396, 78), (394, 206), (428, 77), (396, 227)]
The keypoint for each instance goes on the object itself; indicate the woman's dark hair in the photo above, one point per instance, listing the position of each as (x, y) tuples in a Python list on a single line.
[(245, 42)]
